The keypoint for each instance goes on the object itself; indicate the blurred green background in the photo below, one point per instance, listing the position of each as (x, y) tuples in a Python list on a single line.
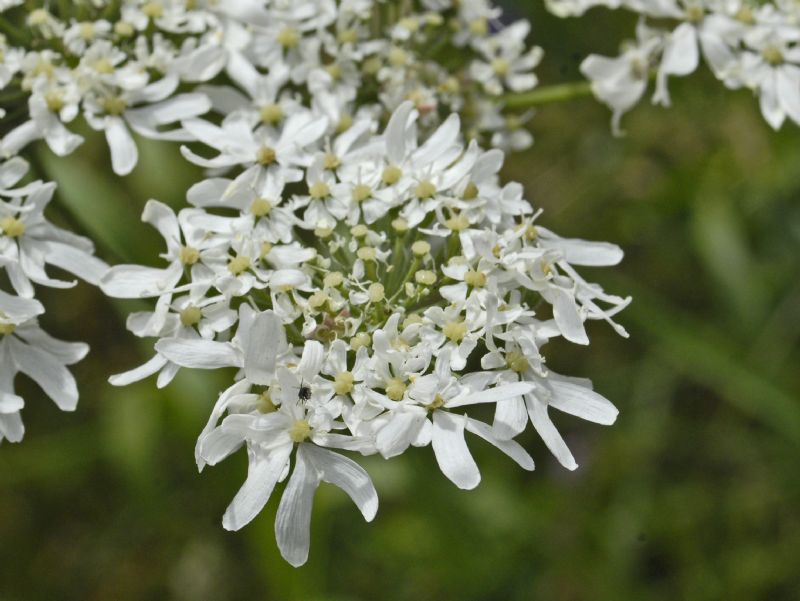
[(693, 494)]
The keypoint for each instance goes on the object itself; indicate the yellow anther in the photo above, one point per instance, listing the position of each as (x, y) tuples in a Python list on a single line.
[(265, 156), (86, 30), (455, 330), (12, 227), (266, 248), (124, 29), (38, 17), (264, 403), (437, 403), (361, 192), (479, 26), (191, 315), (343, 382), (391, 175), (772, 55), (103, 66), (319, 190), (457, 223), (425, 189), (317, 300), (331, 161), (517, 362), (54, 100), (300, 431), (397, 57), (153, 10), (114, 105), (501, 66), (347, 36), (239, 264), (288, 37), (260, 207), (189, 255), (323, 232), (372, 65), (470, 191), (476, 279), (395, 389), (345, 123), (362, 339), (334, 70), (271, 114), (531, 233)]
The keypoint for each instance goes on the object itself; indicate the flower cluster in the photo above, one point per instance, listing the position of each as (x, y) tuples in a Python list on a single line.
[(351, 251), (28, 244), (369, 288), (745, 44)]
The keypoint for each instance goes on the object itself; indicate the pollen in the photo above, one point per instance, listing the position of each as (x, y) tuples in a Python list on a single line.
[(265, 156), (239, 264), (425, 189), (457, 223), (347, 36), (361, 192), (470, 191), (289, 37), (300, 431), (517, 362), (12, 227), (476, 279), (54, 100), (260, 207), (189, 255), (191, 316), (86, 30), (359, 340), (153, 10), (345, 123), (455, 330), (391, 175), (395, 389), (331, 161), (103, 66), (114, 105), (437, 403), (343, 382), (319, 190), (772, 55), (501, 66), (264, 403), (271, 114)]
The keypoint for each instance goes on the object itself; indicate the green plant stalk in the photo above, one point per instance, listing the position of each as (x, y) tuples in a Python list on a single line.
[(548, 95)]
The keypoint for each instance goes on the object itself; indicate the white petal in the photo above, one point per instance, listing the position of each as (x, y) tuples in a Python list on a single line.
[(199, 354), (47, 372), (451, 450), (293, 522), (541, 422), (137, 281), (124, 154), (139, 373), (582, 402), (263, 337), (510, 418), (510, 447), (345, 473), (262, 475), (492, 395)]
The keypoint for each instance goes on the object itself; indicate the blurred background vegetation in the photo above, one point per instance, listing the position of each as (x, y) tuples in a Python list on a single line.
[(693, 494)]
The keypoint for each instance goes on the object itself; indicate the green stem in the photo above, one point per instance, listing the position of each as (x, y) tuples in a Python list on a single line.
[(548, 95)]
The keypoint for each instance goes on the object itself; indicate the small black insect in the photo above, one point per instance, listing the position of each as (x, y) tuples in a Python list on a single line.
[(304, 394)]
